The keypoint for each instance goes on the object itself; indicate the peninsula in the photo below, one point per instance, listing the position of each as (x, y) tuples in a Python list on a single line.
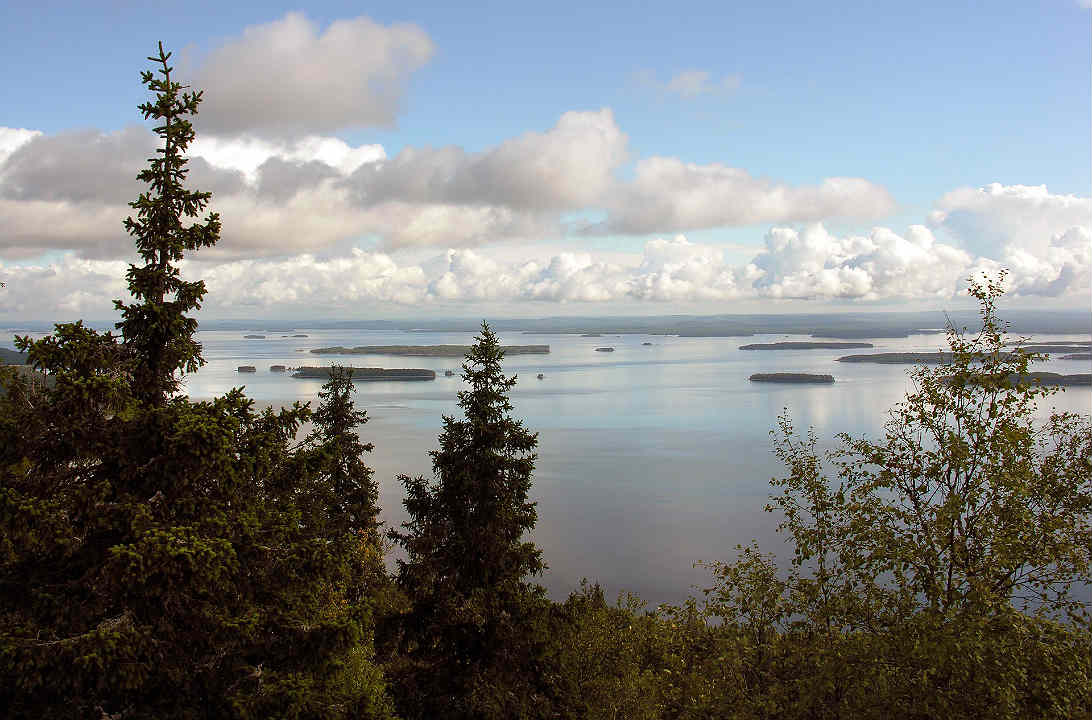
[(791, 378), (12, 357), (806, 346), (368, 373), (426, 350)]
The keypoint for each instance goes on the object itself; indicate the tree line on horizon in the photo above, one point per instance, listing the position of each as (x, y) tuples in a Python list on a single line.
[(165, 558)]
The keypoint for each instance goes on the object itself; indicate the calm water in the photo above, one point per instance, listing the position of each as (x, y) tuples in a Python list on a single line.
[(650, 458)]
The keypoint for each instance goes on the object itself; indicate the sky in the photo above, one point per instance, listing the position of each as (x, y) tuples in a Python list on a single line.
[(391, 160)]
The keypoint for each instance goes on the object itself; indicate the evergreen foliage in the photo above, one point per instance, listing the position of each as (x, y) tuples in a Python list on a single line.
[(470, 636), (167, 558), (352, 495), (156, 328)]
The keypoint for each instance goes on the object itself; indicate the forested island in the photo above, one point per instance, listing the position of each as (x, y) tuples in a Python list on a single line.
[(806, 346), (1049, 349), (1052, 379), (426, 350), (367, 373), (900, 358), (791, 378)]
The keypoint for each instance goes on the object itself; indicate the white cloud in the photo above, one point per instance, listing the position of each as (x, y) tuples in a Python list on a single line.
[(694, 83), (288, 78), (567, 167), (246, 154), (669, 195), (882, 265), (1042, 237), (12, 138), (808, 262), (690, 84)]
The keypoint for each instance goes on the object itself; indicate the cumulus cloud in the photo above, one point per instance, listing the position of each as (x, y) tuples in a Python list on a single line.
[(246, 154), (669, 195), (70, 190), (12, 138), (567, 167), (811, 262), (288, 78), (1044, 238), (808, 262)]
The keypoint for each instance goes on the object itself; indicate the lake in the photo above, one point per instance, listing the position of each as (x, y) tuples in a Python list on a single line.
[(651, 457)]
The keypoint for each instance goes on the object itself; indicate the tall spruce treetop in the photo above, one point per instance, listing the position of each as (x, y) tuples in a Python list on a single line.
[(353, 501), (467, 527), (471, 631), (156, 327)]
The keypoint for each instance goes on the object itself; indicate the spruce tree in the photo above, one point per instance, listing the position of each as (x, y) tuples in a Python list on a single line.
[(470, 636), (161, 557), (156, 327)]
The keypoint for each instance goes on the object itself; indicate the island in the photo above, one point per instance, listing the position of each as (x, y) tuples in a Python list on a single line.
[(367, 373), (277, 368), (299, 336), (592, 335), (792, 378), (1046, 349), (1078, 356), (427, 350), (646, 343), (254, 337), (806, 346), (247, 369), (604, 349), (897, 358), (1054, 379), (12, 357)]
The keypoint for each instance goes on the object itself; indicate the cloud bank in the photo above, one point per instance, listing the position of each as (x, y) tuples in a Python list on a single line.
[(278, 196), (288, 78), (804, 262)]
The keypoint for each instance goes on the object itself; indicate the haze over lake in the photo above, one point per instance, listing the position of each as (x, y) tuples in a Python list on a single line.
[(650, 458)]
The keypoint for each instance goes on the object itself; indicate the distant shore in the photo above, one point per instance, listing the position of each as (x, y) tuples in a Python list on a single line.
[(426, 350), (806, 346)]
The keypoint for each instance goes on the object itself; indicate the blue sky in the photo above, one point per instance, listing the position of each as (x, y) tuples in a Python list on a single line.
[(952, 117)]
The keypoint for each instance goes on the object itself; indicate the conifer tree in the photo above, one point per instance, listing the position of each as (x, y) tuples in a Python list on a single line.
[(354, 491), (161, 557), (472, 629), (156, 326)]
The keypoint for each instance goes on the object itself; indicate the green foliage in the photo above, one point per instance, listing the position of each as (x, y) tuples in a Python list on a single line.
[(939, 576), (168, 558), (155, 328), (471, 634), (351, 495)]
